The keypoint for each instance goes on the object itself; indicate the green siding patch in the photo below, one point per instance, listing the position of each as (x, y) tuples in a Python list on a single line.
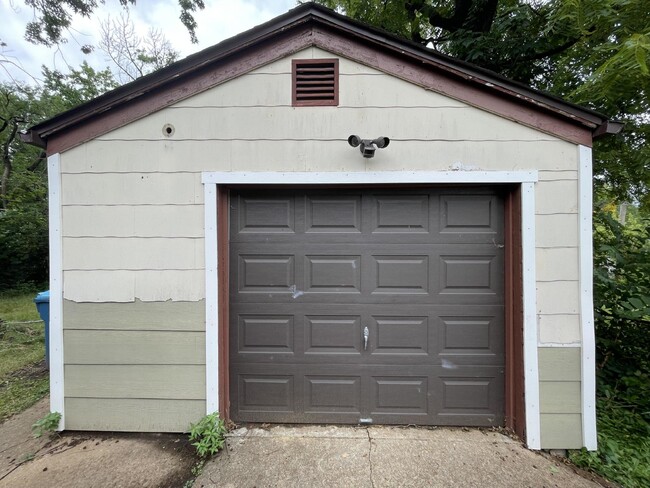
[(561, 431), (135, 315), (132, 415), (559, 364), (133, 347), (560, 397), (185, 382)]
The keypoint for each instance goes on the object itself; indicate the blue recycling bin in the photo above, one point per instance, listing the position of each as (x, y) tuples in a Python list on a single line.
[(42, 302)]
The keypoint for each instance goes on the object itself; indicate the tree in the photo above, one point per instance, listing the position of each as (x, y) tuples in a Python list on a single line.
[(592, 52), (23, 188), (52, 18), (133, 55)]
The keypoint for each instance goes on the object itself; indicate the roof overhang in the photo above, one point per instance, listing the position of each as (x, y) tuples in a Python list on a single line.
[(314, 25)]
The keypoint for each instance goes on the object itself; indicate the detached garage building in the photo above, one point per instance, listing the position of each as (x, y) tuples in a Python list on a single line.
[(216, 244)]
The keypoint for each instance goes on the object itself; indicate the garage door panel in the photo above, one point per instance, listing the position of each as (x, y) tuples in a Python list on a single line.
[(332, 394), (267, 214), (399, 395), (333, 213), (400, 213), (399, 335), (264, 273), (332, 334), (332, 274), (422, 334), (420, 269), (270, 334), (471, 214), (400, 274), (471, 339), (266, 393)]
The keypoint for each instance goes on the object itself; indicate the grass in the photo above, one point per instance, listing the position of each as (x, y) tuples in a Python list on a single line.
[(623, 452), (23, 377)]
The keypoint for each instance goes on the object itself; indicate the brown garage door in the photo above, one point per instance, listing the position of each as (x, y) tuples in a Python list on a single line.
[(371, 305)]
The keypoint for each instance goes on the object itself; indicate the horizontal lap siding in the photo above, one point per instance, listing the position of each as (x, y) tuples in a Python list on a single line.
[(133, 223), (560, 397), (132, 415), (141, 364)]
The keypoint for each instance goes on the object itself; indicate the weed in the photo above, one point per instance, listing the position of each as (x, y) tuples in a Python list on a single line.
[(623, 453), (49, 423), (208, 435)]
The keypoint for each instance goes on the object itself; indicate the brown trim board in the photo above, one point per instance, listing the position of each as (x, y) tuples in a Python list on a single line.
[(514, 338), (223, 299)]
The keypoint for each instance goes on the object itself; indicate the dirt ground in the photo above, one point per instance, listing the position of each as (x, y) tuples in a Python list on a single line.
[(90, 459)]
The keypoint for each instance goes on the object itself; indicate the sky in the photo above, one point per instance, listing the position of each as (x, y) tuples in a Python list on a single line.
[(219, 20)]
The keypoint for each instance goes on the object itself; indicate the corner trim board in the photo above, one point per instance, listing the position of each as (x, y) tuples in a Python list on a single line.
[(531, 363), (588, 352), (57, 391), (527, 179), (211, 300)]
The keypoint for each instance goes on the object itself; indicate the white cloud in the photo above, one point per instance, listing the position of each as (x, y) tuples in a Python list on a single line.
[(220, 20)]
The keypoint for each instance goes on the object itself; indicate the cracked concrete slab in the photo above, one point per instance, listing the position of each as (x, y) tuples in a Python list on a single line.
[(379, 457)]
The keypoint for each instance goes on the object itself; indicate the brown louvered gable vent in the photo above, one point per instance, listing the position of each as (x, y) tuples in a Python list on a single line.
[(315, 82)]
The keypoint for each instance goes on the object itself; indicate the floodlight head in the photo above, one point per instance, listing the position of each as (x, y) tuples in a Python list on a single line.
[(354, 141), (382, 142)]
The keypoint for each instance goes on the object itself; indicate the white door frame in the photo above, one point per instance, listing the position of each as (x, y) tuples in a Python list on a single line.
[(527, 179)]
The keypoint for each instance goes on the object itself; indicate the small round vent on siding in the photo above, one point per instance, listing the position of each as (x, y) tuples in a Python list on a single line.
[(315, 82)]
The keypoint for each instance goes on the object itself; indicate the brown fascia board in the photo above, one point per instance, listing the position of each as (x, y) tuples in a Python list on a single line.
[(300, 16)]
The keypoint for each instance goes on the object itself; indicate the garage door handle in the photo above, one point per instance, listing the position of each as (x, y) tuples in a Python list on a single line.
[(366, 334)]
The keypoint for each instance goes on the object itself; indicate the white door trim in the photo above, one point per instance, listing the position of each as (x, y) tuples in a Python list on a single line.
[(57, 399), (211, 300), (527, 179), (588, 352)]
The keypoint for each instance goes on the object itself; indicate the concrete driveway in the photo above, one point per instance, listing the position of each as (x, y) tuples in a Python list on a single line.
[(278, 456), (377, 457)]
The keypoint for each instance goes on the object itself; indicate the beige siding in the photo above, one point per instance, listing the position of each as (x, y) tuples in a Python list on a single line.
[(127, 286), (168, 382), (557, 264), (132, 415), (133, 347), (132, 188), (135, 316), (133, 221), (132, 253), (326, 123), (561, 297), (559, 329), (560, 397)]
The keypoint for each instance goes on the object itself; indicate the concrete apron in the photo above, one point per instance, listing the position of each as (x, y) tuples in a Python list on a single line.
[(375, 457)]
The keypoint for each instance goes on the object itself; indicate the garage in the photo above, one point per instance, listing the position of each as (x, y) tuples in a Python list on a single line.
[(375, 305), (224, 238)]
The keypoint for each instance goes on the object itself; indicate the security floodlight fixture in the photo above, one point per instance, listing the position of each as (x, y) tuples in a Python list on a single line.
[(368, 146)]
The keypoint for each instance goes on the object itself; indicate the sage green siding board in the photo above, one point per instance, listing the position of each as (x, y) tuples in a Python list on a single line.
[(560, 397), (133, 347), (559, 364), (135, 315), (186, 382), (132, 415), (561, 431)]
